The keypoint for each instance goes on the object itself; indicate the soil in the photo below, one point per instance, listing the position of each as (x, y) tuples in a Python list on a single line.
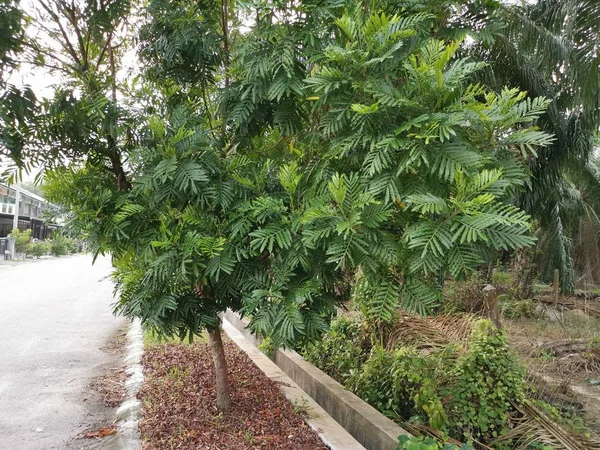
[(103, 395), (112, 385), (180, 412), (561, 358)]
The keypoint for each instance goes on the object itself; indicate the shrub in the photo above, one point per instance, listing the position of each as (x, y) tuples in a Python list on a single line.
[(487, 379), (503, 280), (342, 350), (22, 240), (463, 296), (404, 384), (517, 309), (60, 244), (39, 248)]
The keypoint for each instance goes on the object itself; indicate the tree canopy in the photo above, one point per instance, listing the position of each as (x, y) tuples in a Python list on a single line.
[(277, 158)]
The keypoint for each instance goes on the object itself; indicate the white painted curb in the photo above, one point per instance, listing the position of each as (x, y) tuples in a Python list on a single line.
[(331, 433), (129, 412)]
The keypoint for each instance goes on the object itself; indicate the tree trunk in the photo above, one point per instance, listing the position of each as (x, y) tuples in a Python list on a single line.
[(218, 354), (524, 269)]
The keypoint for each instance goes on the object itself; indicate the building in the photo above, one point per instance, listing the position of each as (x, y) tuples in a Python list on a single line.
[(32, 213)]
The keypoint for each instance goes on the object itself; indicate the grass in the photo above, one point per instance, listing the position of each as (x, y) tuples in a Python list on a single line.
[(573, 325), (152, 339)]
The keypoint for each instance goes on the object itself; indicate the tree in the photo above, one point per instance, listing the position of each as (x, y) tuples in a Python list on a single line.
[(549, 48), (16, 104), (11, 34), (349, 150)]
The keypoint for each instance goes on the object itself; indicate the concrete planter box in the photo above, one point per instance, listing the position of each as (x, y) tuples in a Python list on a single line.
[(367, 425)]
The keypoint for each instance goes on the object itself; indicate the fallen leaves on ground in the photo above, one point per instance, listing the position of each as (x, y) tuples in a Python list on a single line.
[(102, 432), (111, 386), (180, 411)]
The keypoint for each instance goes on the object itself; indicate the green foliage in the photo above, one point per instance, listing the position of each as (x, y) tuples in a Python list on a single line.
[(181, 41), (516, 309), (488, 380), (404, 383), (536, 38), (11, 34), (61, 245), (350, 154), (503, 280), (465, 394), (420, 443), (342, 350), (412, 155), (22, 240), (39, 248), (571, 420)]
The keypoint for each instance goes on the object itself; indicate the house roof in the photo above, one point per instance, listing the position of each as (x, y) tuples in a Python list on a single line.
[(29, 194)]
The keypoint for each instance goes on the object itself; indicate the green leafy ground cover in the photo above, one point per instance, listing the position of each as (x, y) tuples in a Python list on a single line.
[(473, 390)]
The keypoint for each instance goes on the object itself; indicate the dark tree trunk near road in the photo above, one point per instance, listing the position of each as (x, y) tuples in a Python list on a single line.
[(218, 355)]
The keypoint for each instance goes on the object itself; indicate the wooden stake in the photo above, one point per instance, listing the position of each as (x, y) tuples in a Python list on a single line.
[(555, 288)]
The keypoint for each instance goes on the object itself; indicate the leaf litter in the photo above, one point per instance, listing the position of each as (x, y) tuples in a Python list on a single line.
[(179, 404)]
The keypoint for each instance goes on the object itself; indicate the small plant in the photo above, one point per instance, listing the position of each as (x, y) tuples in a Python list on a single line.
[(502, 279), (427, 443), (267, 347), (517, 309), (404, 383), (249, 437), (300, 407), (488, 380), (342, 350)]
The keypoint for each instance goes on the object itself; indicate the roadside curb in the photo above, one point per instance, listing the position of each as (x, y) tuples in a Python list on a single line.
[(129, 412), (360, 420), (331, 433)]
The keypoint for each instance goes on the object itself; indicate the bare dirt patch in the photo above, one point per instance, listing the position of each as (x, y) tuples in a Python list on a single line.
[(102, 396), (180, 412)]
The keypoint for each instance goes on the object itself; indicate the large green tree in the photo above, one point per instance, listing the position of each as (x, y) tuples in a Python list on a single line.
[(330, 147)]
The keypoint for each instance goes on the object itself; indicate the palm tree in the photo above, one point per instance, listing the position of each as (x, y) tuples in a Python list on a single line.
[(551, 48)]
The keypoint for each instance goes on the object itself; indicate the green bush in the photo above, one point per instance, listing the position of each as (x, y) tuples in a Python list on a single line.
[(462, 393), (60, 244), (342, 350), (487, 382), (22, 240), (39, 248), (503, 280), (517, 309), (404, 384)]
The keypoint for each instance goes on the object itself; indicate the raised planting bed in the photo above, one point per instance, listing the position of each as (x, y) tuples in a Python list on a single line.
[(179, 410), (367, 425)]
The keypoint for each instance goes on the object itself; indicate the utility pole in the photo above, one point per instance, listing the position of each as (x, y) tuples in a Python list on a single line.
[(16, 216)]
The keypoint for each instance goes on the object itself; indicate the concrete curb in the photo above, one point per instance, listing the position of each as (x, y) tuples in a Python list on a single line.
[(367, 425), (330, 432), (129, 413)]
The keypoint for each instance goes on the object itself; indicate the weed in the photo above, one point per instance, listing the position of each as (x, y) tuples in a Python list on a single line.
[(300, 407)]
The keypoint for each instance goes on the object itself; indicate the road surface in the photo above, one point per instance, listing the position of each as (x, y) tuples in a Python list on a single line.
[(55, 316)]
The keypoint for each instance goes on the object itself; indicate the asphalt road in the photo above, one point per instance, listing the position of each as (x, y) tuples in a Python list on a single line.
[(55, 317)]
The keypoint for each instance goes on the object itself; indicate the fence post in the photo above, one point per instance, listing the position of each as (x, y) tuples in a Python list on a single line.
[(555, 289)]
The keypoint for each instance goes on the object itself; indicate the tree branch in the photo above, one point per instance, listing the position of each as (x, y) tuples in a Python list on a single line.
[(67, 43)]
